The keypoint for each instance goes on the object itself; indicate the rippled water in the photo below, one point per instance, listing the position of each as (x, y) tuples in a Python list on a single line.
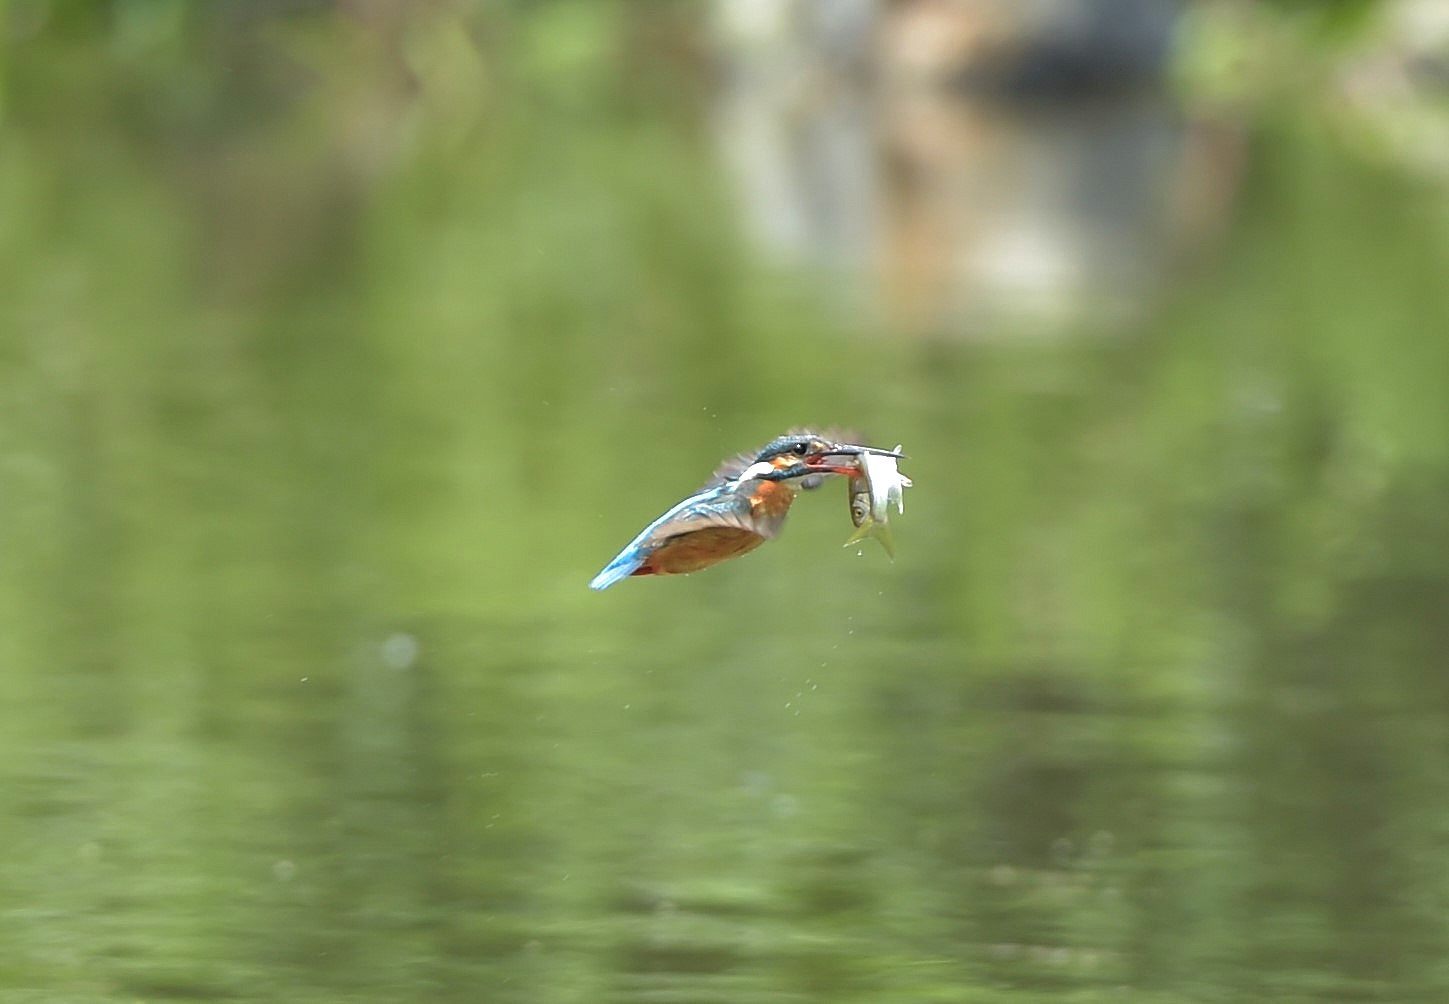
[(327, 391)]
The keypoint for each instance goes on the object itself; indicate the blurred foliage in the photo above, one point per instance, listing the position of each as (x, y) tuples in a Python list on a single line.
[(1329, 18), (339, 349)]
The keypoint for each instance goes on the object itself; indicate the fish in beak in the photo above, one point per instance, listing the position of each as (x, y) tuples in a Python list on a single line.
[(873, 489)]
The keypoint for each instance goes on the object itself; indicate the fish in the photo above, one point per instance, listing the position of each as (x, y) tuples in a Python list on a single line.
[(871, 493)]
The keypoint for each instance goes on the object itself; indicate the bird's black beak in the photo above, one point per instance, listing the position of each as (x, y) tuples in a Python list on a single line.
[(826, 461), (855, 451)]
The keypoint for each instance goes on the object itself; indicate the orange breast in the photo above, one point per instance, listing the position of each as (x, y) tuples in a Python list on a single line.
[(689, 552), (771, 499)]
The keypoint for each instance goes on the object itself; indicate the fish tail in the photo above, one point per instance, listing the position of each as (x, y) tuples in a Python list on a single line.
[(887, 540), (880, 531), (625, 565)]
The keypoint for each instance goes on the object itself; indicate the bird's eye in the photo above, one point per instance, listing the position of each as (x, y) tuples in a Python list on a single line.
[(800, 449)]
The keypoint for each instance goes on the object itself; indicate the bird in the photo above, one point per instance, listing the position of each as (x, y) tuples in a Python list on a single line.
[(743, 504)]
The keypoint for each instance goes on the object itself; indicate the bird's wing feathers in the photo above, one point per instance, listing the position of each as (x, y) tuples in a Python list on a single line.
[(729, 468), (706, 509)]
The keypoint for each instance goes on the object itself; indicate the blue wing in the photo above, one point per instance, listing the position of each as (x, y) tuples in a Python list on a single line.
[(625, 565), (712, 507)]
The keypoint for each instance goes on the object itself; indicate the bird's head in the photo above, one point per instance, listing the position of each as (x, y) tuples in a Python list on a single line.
[(799, 455)]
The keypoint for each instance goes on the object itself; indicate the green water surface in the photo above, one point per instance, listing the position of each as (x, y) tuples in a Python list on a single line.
[(336, 357)]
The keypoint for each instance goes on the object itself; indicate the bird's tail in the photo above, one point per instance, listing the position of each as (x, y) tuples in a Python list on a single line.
[(625, 565)]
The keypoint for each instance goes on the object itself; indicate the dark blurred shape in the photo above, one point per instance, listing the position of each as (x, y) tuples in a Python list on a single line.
[(993, 166), (1028, 48)]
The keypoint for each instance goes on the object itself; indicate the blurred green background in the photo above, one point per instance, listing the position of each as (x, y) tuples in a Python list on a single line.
[(341, 343)]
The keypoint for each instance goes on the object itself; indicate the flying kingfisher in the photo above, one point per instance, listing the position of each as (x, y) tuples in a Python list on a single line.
[(743, 504)]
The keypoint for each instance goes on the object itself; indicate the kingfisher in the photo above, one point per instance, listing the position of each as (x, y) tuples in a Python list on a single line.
[(743, 504)]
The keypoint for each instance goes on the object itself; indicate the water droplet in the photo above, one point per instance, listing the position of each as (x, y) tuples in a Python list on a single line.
[(400, 650)]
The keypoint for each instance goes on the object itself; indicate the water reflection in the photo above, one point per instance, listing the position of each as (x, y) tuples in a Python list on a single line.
[(987, 172), (305, 697)]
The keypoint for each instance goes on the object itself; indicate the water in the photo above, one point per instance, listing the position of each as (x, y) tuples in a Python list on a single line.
[(331, 377)]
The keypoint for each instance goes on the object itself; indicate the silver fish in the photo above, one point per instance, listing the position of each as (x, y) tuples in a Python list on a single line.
[(871, 493), (859, 494)]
